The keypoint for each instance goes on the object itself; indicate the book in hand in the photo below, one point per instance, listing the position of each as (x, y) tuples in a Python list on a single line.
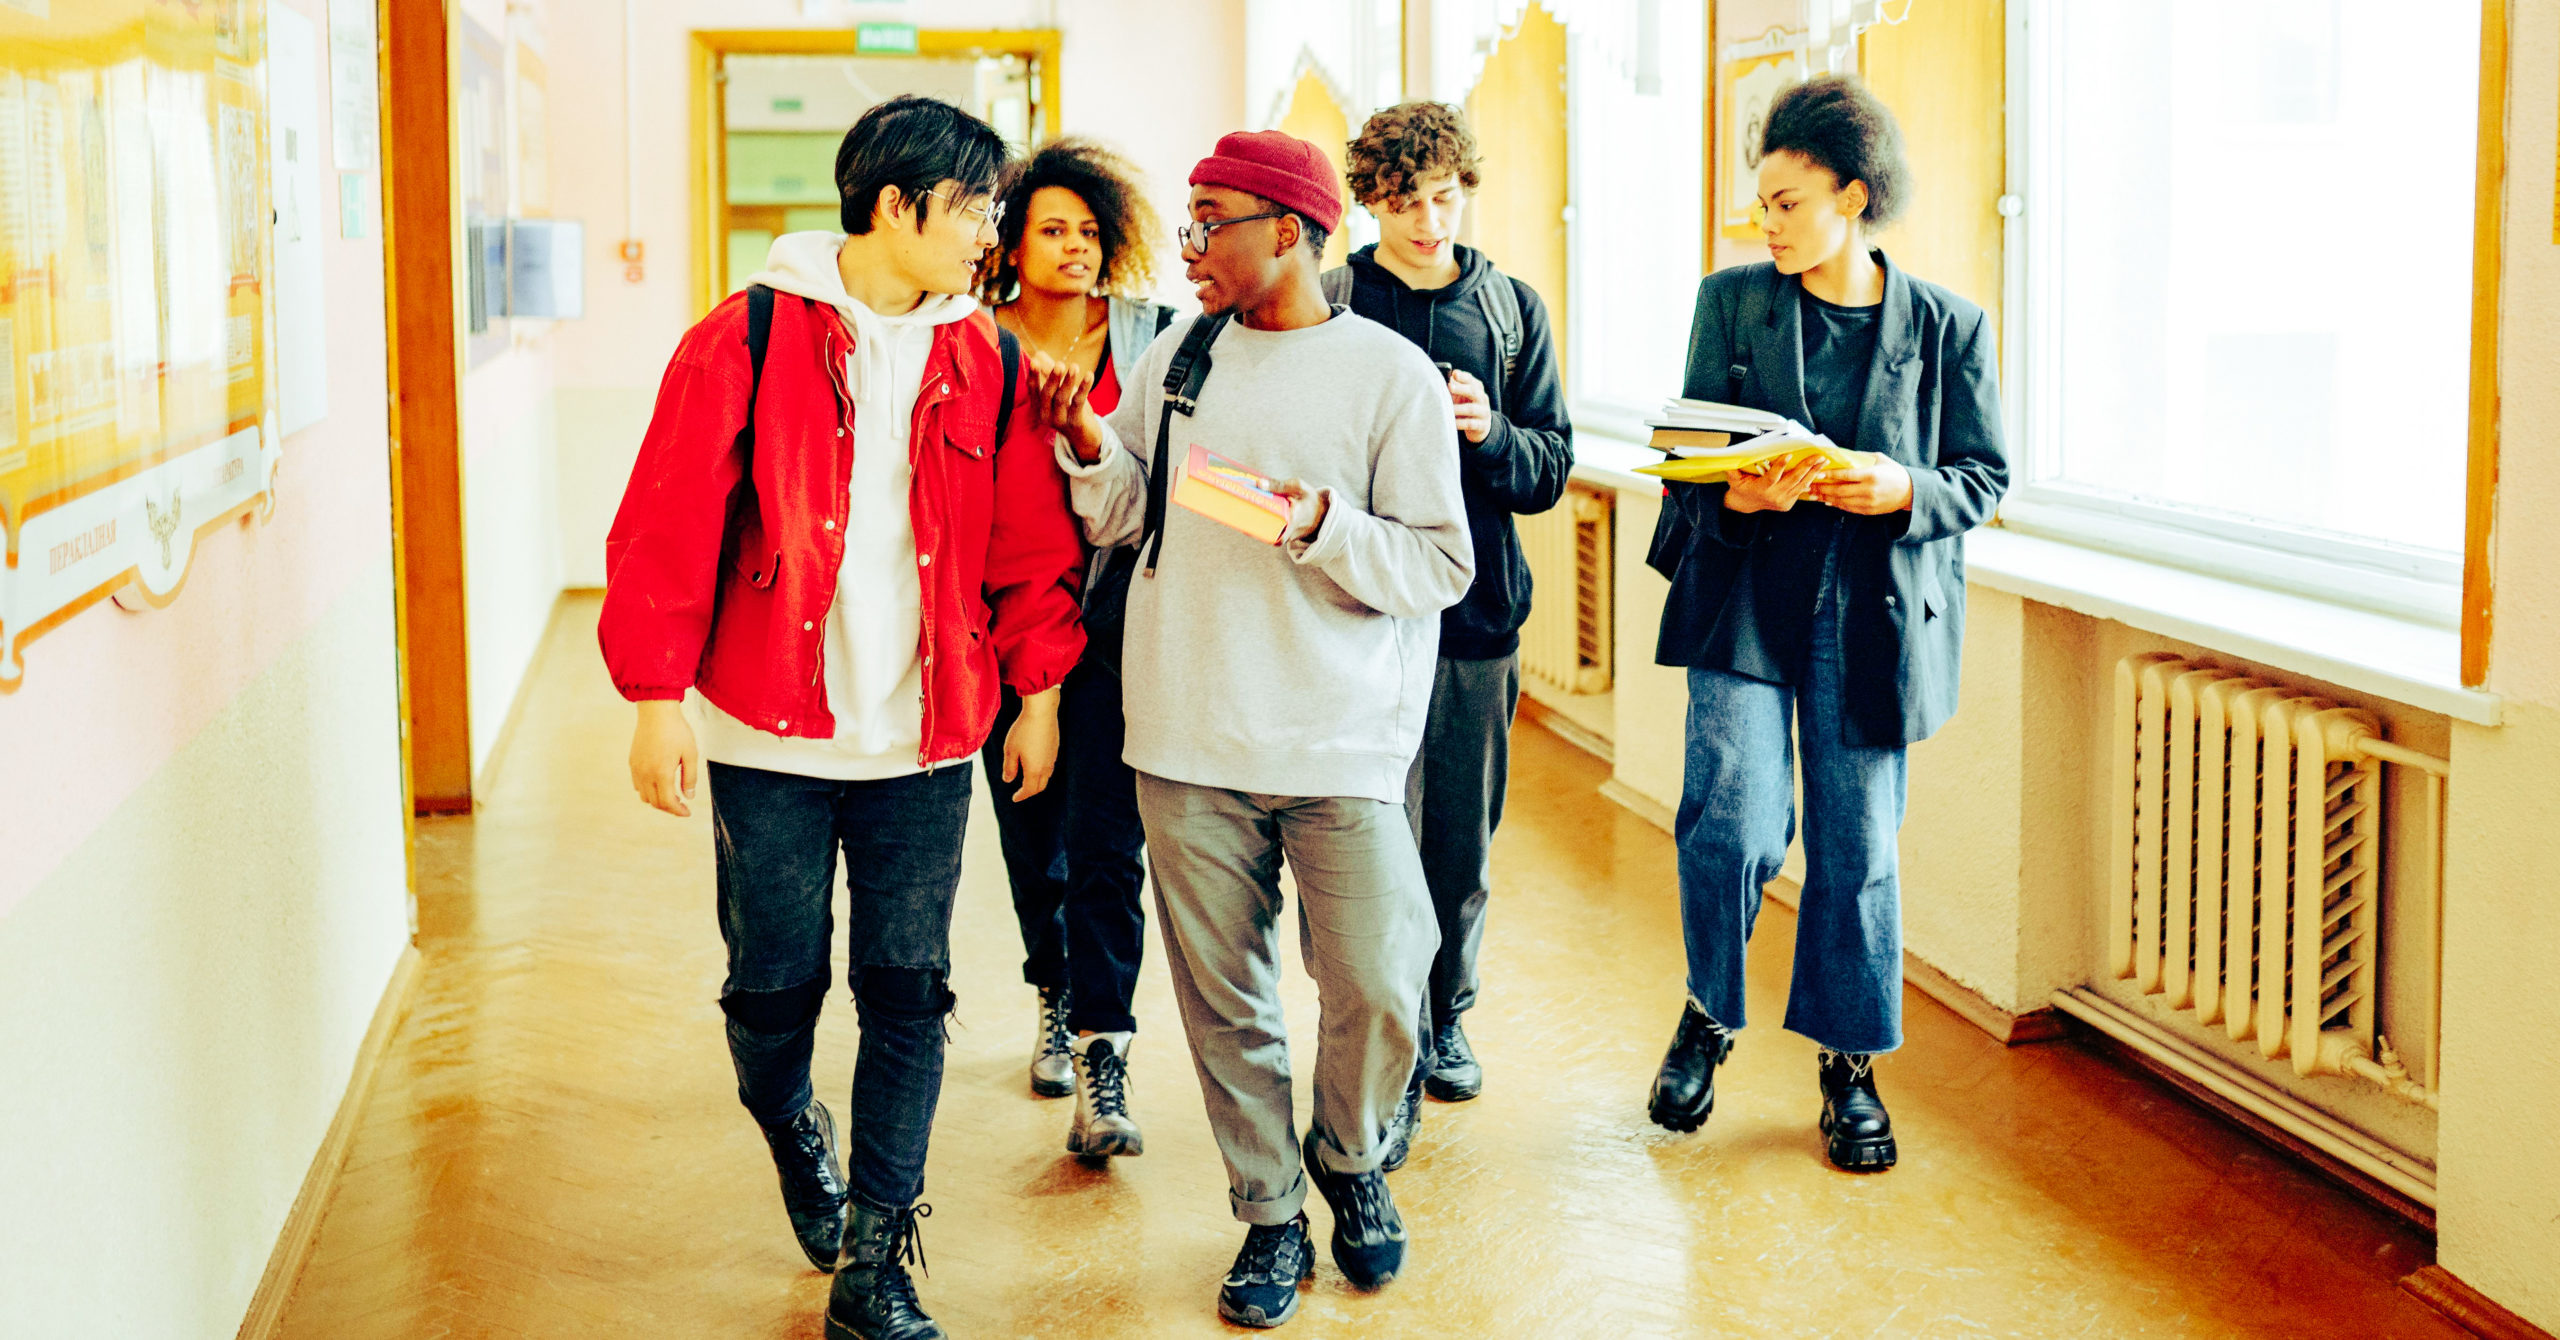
[(1226, 492), (1772, 450), (1711, 416)]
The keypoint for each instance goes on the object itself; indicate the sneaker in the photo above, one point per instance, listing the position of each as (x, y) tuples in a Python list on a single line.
[(1103, 1127), (1368, 1234), (874, 1298), (1262, 1287), (813, 1188), (1456, 1076), (1408, 1122), (1685, 1090), (1859, 1130), (1053, 1074)]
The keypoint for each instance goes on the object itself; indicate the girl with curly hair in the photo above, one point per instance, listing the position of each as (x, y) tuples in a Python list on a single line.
[(1068, 277)]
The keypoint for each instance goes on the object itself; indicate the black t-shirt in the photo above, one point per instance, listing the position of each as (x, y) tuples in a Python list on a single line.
[(1768, 621), (1839, 347)]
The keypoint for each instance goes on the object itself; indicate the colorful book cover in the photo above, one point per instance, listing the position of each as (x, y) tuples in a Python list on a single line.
[(1230, 494)]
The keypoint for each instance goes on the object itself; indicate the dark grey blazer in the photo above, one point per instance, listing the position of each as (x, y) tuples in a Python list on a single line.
[(1933, 403)]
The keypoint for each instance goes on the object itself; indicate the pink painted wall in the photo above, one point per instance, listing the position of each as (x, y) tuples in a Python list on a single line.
[(109, 696)]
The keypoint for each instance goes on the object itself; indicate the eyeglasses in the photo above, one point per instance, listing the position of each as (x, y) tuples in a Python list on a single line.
[(990, 215), (1195, 236)]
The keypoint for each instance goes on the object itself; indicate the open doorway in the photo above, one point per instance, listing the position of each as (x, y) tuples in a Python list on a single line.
[(773, 107)]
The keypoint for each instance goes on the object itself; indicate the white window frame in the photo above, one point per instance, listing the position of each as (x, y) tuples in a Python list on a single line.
[(2420, 585)]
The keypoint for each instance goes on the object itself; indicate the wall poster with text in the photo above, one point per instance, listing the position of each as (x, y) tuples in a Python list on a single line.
[(136, 386)]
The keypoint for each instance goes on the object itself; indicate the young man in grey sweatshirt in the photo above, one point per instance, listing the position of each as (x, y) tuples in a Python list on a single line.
[(1276, 696)]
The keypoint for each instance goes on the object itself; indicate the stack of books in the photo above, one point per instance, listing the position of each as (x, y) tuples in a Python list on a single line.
[(1702, 441)]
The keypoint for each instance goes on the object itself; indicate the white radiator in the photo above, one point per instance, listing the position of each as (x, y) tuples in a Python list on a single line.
[(1568, 640), (2245, 877)]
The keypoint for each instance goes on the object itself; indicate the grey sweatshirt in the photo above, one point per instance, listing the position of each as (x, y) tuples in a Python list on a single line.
[(1302, 669)]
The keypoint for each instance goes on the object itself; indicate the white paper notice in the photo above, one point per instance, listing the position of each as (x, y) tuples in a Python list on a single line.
[(355, 106), (301, 220)]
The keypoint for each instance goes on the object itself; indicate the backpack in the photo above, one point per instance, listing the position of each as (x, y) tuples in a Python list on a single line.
[(1107, 603), (1501, 304), (760, 334)]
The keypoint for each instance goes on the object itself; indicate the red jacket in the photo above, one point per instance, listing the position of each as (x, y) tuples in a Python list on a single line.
[(726, 589)]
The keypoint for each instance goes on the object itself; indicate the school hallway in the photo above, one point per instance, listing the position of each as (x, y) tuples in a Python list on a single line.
[(553, 1147)]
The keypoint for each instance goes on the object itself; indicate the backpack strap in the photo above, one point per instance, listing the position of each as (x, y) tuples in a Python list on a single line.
[(1501, 303), (1009, 351), (1750, 313), (1337, 285), (1164, 319), (759, 336), (1183, 379)]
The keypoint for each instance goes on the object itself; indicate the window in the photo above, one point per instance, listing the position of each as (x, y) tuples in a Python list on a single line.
[(2242, 341), (1638, 184)]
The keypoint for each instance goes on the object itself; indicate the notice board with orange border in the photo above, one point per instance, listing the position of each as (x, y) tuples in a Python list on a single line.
[(137, 385)]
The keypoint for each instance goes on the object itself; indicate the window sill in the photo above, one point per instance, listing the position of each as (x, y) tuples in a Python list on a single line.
[(1609, 460), (2399, 659)]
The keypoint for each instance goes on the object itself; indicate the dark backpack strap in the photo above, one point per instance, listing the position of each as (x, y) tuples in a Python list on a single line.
[(1164, 319), (1009, 351), (1183, 379), (759, 335), (1337, 285), (1501, 303)]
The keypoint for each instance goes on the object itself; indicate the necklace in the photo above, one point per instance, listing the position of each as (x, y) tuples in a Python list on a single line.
[(1067, 355)]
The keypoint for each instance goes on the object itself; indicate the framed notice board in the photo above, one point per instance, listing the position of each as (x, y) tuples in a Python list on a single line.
[(137, 386)]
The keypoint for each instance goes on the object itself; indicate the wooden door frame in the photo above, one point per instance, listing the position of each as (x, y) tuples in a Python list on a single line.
[(420, 241), (1038, 47), (2488, 276)]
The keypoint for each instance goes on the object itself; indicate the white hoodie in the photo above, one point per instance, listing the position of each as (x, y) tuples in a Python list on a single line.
[(872, 655)]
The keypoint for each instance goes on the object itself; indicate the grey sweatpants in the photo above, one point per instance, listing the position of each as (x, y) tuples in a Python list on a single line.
[(1365, 917)]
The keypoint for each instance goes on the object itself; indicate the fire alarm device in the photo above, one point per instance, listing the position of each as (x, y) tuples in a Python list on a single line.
[(631, 251)]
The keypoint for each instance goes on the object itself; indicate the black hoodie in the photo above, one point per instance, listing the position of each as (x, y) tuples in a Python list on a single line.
[(1520, 467)]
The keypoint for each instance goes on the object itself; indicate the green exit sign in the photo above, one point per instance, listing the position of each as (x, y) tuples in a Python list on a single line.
[(885, 37)]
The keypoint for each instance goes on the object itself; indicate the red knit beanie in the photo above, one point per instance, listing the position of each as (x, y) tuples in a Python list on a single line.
[(1279, 167)]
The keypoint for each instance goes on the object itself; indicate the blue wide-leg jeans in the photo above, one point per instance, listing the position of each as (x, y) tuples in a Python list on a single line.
[(1737, 817)]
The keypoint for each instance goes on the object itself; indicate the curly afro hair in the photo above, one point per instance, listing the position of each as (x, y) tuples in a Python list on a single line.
[(1109, 185), (1835, 123), (1407, 142)]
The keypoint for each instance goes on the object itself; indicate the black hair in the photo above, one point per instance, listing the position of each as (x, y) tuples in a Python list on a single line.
[(1109, 186), (915, 144), (1311, 234), (1834, 122)]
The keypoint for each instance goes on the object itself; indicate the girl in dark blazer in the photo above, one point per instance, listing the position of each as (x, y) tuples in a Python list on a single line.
[(1835, 599)]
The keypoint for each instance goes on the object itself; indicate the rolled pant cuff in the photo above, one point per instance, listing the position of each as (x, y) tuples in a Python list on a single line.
[(1278, 1210)]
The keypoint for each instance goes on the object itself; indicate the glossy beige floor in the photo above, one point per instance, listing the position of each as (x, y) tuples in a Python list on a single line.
[(554, 1148)]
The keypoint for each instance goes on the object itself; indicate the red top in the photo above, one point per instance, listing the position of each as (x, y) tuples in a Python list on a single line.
[(734, 600), (1105, 396)]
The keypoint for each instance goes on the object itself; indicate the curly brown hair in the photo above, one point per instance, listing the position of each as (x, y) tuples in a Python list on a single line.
[(1407, 142), (1110, 185)]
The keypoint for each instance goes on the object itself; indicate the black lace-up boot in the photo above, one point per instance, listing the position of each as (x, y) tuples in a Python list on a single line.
[(1685, 1090), (1456, 1075), (1103, 1127), (1368, 1233), (813, 1190), (874, 1299), (1860, 1130), (1408, 1120), (1053, 1072), (1262, 1289)]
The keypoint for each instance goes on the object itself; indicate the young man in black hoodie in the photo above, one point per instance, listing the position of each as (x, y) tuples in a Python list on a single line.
[(1413, 168)]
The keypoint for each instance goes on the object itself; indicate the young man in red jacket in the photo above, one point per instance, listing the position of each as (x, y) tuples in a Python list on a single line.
[(844, 554)]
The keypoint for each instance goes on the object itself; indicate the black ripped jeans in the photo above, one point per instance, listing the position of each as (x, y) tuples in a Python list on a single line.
[(777, 834)]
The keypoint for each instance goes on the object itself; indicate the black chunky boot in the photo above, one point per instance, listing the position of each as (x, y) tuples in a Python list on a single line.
[(1408, 1122), (1685, 1090), (1860, 1130), (1456, 1075), (873, 1298), (813, 1189)]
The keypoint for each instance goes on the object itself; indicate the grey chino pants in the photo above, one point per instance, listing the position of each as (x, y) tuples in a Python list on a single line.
[(1365, 917)]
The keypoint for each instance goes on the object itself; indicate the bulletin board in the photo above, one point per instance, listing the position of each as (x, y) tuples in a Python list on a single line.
[(137, 383), (1750, 76)]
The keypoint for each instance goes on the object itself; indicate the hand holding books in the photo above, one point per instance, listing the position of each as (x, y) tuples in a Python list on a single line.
[(1777, 464)]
